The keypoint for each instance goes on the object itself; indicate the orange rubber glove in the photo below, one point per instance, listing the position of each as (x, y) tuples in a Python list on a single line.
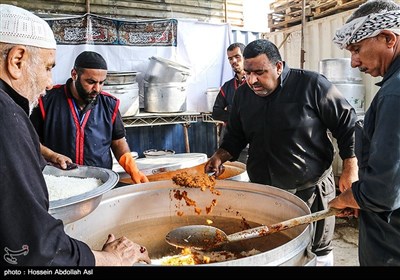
[(128, 163)]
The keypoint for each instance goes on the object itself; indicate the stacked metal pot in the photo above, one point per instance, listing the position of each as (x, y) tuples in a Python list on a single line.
[(123, 85), (165, 86), (348, 80)]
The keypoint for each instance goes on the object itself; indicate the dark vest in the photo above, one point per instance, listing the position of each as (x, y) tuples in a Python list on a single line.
[(86, 143)]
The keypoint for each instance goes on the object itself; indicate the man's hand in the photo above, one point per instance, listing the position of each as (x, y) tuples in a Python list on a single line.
[(121, 252), (56, 159), (214, 164), (349, 174)]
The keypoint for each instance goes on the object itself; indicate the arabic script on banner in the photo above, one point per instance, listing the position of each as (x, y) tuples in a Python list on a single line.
[(96, 30)]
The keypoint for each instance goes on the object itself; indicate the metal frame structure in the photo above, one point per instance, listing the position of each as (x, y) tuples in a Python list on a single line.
[(150, 119), (184, 118)]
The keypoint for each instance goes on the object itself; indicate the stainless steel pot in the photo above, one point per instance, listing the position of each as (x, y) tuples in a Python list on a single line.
[(121, 77), (161, 70), (146, 212), (339, 70), (128, 94), (355, 94), (164, 97), (211, 95)]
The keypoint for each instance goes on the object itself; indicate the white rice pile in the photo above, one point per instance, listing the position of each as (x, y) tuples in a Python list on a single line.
[(61, 187)]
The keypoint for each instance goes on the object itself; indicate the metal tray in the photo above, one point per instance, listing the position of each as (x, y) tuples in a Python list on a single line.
[(76, 207)]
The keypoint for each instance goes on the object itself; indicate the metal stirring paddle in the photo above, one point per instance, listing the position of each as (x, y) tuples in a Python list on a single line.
[(202, 237)]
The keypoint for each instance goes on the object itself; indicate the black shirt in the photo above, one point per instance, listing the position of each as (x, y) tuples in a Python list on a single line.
[(378, 190), (287, 130), (29, 235)]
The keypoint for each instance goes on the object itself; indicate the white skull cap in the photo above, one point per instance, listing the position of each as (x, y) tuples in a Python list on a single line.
[(21, 27)]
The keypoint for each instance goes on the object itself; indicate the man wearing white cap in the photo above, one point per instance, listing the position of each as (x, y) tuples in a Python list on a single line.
[(29, 235), (372, 36)]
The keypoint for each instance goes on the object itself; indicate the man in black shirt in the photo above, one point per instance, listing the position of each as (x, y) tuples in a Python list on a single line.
[(223, 101), (284, 114), (372, 36)]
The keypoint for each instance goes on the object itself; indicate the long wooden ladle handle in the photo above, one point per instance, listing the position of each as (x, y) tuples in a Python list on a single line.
[(265, 230)]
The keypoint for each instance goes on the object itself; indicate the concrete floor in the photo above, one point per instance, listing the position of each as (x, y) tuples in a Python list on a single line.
[(345, 242)]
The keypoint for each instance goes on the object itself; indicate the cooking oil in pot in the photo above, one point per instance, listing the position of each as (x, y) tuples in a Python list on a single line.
[(151, 234)]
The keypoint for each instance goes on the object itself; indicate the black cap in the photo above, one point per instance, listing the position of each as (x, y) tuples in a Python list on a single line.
[(90, 60)]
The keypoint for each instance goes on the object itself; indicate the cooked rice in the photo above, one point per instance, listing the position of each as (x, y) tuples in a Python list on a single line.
[(193, 257), (61, 187)]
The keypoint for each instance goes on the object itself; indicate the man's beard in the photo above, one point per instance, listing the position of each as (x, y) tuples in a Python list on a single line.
[(236, 69), (33, 88), (32, 105), (84, 94)]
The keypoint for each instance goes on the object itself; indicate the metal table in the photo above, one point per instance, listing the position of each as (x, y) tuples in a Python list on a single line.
[(154, 119)]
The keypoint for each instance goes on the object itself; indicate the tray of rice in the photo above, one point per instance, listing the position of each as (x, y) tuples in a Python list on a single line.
[(75, 193)]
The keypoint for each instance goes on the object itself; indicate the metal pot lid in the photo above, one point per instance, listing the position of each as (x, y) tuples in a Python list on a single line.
[(170, 63)]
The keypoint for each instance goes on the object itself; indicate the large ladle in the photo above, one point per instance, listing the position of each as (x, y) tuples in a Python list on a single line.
[(202, 237)]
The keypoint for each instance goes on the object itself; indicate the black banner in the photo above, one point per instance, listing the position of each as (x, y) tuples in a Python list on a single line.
[(95, 30)]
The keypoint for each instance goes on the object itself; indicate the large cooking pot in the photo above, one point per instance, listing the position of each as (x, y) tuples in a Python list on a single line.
[(121, 77), (164, 97), (145, 213), (339, 70), (128, 94)]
